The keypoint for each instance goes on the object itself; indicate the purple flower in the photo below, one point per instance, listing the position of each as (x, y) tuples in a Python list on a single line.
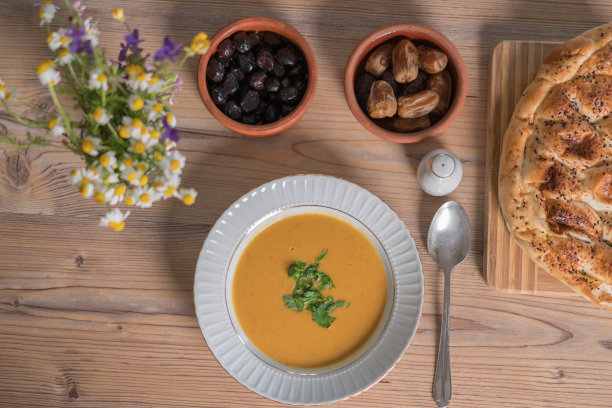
[(79, 43), (78, 7), (170, 133), (169, 51), (131, 44)]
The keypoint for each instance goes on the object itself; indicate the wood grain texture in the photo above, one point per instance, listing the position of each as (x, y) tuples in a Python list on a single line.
[(506, 267), (92, 318)]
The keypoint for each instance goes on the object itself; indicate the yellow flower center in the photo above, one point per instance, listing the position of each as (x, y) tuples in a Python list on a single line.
[(93, 170), (88, 146), (141, 77), (53, 83), (85, 180), (175, 165), (101, 78), (52, 122), (136, 123), (74, 173), (170, 191), (188, 199), (133, 69), (169, 118), (137, 104), (84, 189), (139, 147), (41, 14), (117, 14), (97, 113), (158, 184), (145, 198), (129, 200), (117, 226), (50, 38), (142, 167), (2, 88), (154, 134), (64, 39), (129, 162), (63, 53), (144, 180), (107, 181), (154, 79), (124, 132), (99, 197), (143, 131), (120, 190), (158, 156), (104, 160), (132, 176), (158, 108), (44, 66)]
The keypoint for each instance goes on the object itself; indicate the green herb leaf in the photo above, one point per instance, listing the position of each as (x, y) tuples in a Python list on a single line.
[(293, 303), (306, 293), (322, 317)]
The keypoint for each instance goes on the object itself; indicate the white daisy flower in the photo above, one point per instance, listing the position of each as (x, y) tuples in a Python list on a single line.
[(114, 219), (107, 159), (127, 163), (64, 57), (112, 178), (47, 12), (103, 194), (135, 102), (146, 196), (58, 39), (132, 176), (90, 146), (169, 186), (170, 119), (139, 82), (47, 74), (155, 84), (4, 95), (188, 195), (154, 110), (55, 126), (84, 175), (173, 163), (118, 194), (98, 79), (101, 116)]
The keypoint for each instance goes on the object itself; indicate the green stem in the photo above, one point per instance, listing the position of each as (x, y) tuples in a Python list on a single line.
[(113, 131), (65, 117), (185, 58), (76, 80)]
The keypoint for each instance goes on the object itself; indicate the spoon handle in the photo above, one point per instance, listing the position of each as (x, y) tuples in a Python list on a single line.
[(442, 387)]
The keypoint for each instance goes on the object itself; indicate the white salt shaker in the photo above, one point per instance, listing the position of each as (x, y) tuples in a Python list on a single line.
[(439, 172)]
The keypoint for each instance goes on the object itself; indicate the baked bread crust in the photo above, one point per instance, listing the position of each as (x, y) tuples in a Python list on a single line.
[(555, 176)]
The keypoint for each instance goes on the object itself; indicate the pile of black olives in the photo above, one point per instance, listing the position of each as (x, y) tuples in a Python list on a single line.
[(257, 77)]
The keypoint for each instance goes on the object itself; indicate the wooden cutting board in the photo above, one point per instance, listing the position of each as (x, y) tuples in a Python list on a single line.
[(506, 267)]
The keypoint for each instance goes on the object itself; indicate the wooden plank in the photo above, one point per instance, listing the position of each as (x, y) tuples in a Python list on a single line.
[(507, 268)]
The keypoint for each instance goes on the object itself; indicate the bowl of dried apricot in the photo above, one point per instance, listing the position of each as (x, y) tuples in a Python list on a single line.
[(405, 83)]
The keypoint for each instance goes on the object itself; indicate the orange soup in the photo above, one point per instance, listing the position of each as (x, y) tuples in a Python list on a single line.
[(261, 279)]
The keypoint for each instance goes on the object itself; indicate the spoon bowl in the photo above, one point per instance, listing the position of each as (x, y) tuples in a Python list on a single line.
[(450, 236), (449, 241)]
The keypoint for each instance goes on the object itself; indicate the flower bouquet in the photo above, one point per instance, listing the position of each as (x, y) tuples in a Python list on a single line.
[(126, 133)]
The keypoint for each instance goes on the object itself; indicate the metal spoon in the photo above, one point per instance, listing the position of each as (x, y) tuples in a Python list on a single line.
[(448, 242)]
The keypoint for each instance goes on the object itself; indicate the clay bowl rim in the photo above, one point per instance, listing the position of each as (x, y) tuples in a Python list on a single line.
[(259, 24), (414, 32)]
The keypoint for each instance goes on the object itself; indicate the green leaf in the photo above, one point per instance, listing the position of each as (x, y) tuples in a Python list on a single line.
[(321, 317), (293, 303)]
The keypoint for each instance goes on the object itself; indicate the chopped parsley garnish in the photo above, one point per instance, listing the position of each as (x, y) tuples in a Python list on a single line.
[(308, 282)]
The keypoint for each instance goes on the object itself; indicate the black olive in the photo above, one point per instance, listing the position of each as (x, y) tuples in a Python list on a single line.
[(242, 42), (215, 70), (286, 56), (233, 110), (230, 84), (249, 101), (272, 84), (219, 95), (257, 80), (289, 94), (247, 62), (226, 48)]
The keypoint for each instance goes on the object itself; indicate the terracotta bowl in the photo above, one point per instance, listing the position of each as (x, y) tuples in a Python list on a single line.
[(355, 67), (260, 24)]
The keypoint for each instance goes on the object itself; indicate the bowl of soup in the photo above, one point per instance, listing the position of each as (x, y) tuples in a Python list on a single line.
[(308, 289)]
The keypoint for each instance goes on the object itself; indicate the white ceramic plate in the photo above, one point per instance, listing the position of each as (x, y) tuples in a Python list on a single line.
[(267, 204)]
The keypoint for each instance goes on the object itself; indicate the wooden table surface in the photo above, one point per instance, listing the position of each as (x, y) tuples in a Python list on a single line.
[(89, 317)]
